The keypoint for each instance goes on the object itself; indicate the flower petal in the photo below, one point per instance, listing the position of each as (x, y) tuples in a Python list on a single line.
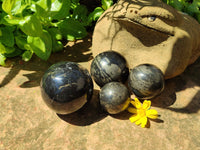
[(132, 110), (133, 103), (136, 103), (138, 122), (152, 113), (143, 121), (134, 118), (146, 104)]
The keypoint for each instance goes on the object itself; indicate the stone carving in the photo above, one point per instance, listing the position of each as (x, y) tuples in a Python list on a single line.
[(149, 31)]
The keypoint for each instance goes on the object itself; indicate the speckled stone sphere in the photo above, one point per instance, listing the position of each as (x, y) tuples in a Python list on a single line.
[(66, 87), (114, 97), (109, 66), (146, 81)]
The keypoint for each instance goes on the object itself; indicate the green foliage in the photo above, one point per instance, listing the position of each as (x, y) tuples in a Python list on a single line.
[(30, 27), (2, 59), (72, 29), (191, 7), (41, 45), (106, 4), (98, 11)]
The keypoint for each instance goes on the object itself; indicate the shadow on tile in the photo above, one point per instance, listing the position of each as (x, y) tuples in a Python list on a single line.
[(192, 107), (90, 113), (78, 51), (189, 79)]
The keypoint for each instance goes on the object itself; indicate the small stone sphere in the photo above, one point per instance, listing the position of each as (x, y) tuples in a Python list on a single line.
[(109, 66), (66, 87), (114, 97), (146, 81)]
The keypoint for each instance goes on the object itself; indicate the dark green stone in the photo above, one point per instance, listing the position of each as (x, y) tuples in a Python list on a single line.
[(108, 67), (114, 97), (146, 81), (66, 87)]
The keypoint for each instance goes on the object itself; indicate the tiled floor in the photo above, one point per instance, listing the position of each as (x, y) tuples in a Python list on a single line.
[(26, 123)]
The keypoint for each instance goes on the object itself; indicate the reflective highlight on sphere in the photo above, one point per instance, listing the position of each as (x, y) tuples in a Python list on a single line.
[(108, 67), (146, 81), (66, 87), (114, 97)]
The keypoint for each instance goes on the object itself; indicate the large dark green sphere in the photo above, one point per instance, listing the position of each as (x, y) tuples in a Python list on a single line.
[(66, 87), (146, 81), (109, 66), (114, 97)]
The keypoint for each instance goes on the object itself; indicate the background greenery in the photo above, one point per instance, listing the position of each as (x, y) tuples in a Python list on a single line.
[(38, 27)]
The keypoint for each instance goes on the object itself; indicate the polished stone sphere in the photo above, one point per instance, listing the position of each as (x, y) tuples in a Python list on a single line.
[(114, 97), (109, 66), (146, 81), (66, 87)]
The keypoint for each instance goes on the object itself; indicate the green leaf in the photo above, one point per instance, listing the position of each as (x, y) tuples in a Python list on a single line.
[(75, 1), (31, 26), (16, 52), (198, 17), (41, 46), (72, 29), (19, 7), (53, 9), (2, 49), (55, 32), (8, 5), (21, 41), (56, 36), (16, 6), (63, 12), (10, 21), (80, 14), (57, 46), (94, 16), (74, 4), (2, 60), (197, 3), (106, 4), (7, 37), (43, 8), (176, 4), (6, 50), (27, 55), (193, 8)]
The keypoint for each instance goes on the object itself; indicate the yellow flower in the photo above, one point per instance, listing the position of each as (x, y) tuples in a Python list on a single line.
[(142, 112)]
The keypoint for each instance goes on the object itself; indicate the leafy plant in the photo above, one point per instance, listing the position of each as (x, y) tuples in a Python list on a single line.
[(38, 27), (191, 7)]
